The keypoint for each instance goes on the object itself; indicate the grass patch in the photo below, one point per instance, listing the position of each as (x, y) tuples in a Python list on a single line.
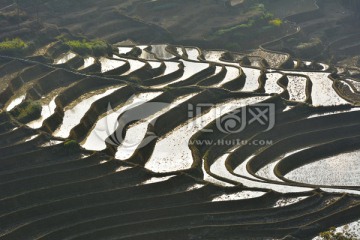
[(85, 47), (276, 22), (249, 24), (13, 46), (71, 146), (261, 20), (27, 111)]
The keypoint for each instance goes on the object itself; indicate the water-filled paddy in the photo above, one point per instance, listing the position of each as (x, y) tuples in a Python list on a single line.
[(108, 124), (47, 110), (73, 115), (340, 170)]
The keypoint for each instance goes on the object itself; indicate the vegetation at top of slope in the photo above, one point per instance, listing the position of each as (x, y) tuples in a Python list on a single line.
[(276, 22), (27, 111), (71, 146), (261, 24), (262, 18), (86, 47), (13, 46)]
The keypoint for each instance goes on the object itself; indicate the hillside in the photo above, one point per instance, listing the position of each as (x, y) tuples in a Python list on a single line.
[(179, 120)]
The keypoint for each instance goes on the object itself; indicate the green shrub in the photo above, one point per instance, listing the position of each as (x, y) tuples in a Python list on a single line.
[(246, 25), (263, 21), (71, 146), (13, 46), (27, 111), (276, 22), (267, 16), (84, 47)]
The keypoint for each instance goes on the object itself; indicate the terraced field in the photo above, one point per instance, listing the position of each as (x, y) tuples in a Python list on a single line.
[(122, 149)]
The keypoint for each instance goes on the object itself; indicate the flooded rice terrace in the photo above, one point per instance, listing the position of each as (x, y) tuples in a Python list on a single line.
[(180, 121)]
